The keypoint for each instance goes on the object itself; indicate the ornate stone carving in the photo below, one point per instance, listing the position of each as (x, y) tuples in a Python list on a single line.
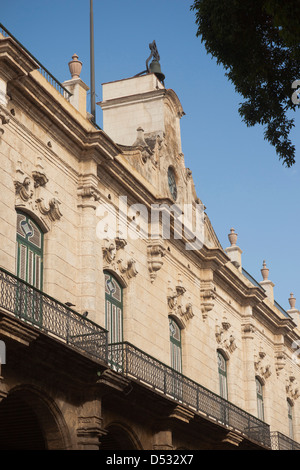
[(23, 189), (207, 295), (28, 194), (177, 303), (225, 337), (115, 258), (52, 211), (280, 358), (261, 364), (155, 251), (40, 178), (128, 267), (292, 388)]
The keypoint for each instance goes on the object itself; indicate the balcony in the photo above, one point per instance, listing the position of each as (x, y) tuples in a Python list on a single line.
[(51, 317), (56, 320), (281, 442)]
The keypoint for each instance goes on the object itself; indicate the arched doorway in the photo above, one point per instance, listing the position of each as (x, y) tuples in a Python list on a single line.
[(118, 438), (27, 422)]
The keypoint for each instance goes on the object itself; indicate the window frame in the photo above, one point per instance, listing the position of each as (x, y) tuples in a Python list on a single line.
[(223, 376), (113, 318)]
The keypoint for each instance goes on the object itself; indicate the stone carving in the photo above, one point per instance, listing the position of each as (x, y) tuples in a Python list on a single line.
[(225, 337), (261, 364), (177, 303), (28, 193), (52, 211), (207, 295), (23, 189), (40, 179), (155, 252), (280, 358), (291, 387), (115, 258)]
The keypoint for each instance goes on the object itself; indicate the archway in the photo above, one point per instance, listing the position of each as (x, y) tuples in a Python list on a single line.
[(118, 438), (28, 422)]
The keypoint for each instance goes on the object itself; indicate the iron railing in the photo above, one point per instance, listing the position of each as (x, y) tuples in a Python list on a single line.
[(51, 316), (135, 363), (281, 442), (57, 320), (48, 75)]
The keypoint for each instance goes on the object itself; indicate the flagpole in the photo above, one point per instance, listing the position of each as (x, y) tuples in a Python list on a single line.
[(92, 63)]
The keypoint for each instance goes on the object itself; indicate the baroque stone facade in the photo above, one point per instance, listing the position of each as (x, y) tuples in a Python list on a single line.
[(118, 329)]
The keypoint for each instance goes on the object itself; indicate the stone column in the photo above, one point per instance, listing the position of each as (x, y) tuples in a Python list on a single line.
[(248, 330), (90, 252), (162, 440), (89, 428)]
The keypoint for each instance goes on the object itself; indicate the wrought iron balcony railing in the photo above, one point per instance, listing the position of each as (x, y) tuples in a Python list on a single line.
[(55, 319), (281, 442), (134, 363), (51, 316), (48, 75)]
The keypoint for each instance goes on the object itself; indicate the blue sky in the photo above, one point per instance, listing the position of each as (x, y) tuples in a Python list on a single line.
[(237, 173)]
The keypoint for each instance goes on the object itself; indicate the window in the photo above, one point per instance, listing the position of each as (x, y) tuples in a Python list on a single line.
[(113, 309), (222, 369), (290, 419), (175, 343), (29, 251), (260, 401)]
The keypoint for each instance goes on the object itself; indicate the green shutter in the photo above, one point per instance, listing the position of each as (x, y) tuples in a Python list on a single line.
[(113, 309), (29, 251)]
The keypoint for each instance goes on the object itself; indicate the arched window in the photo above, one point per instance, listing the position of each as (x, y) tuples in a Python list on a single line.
[(290, 419), (222, 369), (175, 343), (260, 399), (113, 309), (29, 251)]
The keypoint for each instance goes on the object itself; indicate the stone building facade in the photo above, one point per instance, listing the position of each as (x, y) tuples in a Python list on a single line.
[(124, 324)]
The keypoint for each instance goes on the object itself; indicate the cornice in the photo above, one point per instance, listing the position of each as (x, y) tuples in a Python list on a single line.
[(61, 120), (15, 62)]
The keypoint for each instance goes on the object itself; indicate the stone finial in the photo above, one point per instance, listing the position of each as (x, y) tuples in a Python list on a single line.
[(232, 237), (292, 301), (75, 66), (265, 271), (234, 252)]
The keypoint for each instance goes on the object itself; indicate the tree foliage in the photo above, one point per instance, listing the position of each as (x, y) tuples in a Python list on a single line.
[(258, 43)]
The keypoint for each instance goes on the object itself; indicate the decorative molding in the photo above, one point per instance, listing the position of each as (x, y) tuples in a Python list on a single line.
[(28, 194), (224, 336), (261, 364), (23, 190), (40, 179), (116, 259), (52, 211), (248, 330), (155, 252), (207, 296), (280, 358), (178, 305), (292, 388)]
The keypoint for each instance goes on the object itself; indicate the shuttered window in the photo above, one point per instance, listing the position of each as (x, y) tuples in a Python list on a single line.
[(113, 309), (175, 344), (222, 368), (260, 399), (29, 251)]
